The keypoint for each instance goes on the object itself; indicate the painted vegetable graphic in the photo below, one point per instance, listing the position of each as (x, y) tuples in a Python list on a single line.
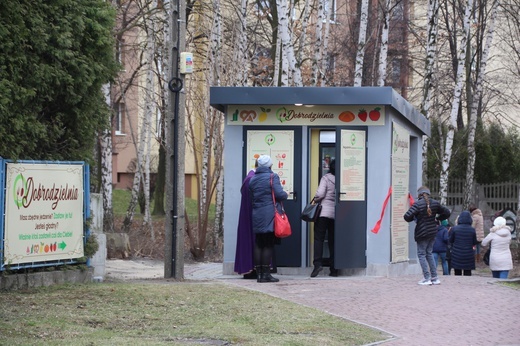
[(362, 115), (374, 114), (347, 116)]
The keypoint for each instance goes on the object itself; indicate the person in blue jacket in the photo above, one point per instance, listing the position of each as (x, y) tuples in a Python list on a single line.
[(440, 246), (261, 187), (463, 238), (425, 211)]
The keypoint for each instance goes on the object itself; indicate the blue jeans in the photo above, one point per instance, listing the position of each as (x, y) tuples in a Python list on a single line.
[(424, 252), (500, 274), (444, 262)]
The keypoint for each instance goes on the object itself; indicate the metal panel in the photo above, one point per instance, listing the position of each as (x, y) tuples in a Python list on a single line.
[(351, 218)]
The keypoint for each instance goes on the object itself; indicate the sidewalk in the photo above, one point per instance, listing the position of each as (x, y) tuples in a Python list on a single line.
[(461, 311)]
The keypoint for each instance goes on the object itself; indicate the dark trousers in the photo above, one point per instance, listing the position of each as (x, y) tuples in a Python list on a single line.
[(467, 272), (321, 227)]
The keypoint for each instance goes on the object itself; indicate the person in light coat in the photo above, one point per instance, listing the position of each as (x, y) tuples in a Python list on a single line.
[(499, 238), (478, 225), (326, 195)]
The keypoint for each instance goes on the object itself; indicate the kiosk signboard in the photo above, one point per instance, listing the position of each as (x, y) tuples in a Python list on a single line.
[(43, 212), (400, 184)]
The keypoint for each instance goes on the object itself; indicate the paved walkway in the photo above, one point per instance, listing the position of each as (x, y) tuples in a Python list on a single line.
[(461, 311)]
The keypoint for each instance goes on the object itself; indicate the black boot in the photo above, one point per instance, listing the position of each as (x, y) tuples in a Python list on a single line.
[(264, 275), (251, 275), (259, 274)]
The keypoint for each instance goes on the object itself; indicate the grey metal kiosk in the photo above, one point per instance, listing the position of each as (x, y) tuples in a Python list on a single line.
[(374, 135)]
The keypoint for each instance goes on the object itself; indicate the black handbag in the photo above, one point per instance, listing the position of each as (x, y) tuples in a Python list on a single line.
[(311, 211), (486, 255)]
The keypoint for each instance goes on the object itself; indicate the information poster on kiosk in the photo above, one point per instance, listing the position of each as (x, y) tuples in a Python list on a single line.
[(400, 184), (44, 212), (352, 164), (277, 144)]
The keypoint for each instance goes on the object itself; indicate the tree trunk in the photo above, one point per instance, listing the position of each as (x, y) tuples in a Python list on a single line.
[(455, 106), (431, 47), (316, 73), (325, 54), (360, 54), (472, 126), (383, 51)]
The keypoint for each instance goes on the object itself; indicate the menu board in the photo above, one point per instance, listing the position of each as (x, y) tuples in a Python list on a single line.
[(400, 183), (277, 144), (352, 165)]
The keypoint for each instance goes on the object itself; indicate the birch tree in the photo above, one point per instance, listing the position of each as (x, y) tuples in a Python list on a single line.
[(360, 52), (431, 48), (325, 60), (150, 111), (105, 143), (214, 61), (241, 57), (290, 74), (383, 50), (457, 92), (472, 126), (317, 74)]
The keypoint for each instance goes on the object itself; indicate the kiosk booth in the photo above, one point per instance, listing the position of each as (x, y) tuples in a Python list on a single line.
[(374, 135)]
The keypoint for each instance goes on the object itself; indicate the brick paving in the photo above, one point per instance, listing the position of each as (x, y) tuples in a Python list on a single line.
[(461, 311)]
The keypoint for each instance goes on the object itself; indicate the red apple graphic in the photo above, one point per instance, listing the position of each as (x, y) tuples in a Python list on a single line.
[(362, 115), (374, 114)]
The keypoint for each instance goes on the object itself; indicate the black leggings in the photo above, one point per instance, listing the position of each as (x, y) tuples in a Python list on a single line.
[(264, 246), (467, 272)]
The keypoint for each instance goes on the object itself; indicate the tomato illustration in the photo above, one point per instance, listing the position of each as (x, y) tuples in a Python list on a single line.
[(374, 114), (362, 115)]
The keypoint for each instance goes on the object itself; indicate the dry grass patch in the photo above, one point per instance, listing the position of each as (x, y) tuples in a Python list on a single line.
[(167, 313)]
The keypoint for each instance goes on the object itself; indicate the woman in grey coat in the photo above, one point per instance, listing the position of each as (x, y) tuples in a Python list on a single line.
[(261, 193), (326, 195)]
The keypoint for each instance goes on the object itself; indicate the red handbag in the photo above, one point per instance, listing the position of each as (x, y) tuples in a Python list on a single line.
[(282, 227)]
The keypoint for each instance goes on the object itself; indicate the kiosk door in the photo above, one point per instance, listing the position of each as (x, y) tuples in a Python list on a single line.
[(283, 145), (351, 207)]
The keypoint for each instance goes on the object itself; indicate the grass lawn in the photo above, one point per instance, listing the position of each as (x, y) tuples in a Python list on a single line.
[(167, 313)]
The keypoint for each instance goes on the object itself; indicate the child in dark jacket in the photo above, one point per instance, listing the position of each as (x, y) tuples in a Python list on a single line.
[(440, 246)]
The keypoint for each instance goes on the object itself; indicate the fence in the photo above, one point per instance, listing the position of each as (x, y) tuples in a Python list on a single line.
[(494, 196)]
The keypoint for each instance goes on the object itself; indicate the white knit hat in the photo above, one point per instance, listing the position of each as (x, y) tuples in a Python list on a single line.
[(265, 161), (499, 221)]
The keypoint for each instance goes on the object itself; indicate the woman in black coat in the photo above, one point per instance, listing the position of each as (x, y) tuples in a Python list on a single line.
[(463, 238)]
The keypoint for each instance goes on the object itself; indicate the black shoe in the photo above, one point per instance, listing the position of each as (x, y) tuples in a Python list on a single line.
[(316, 271), (334, 273), (265, 276), (251, 275)]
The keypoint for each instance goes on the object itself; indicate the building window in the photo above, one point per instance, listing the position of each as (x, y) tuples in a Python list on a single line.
[(118, 119), (396, 71), (119, 51), (332, 9)]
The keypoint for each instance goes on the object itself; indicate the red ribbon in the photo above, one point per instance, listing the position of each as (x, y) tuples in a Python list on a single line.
[(410, 199), (378, 223)]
